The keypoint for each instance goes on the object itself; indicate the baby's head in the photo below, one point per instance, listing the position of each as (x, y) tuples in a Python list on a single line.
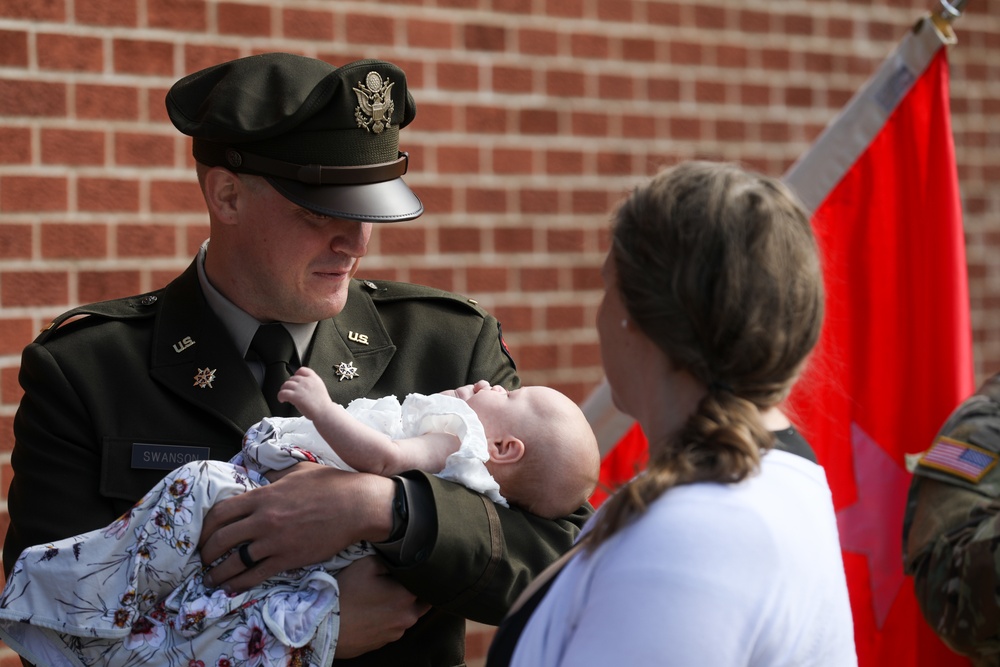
[(543, 453)]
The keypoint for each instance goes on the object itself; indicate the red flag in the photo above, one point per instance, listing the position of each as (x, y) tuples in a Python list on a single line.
[(895, 356)]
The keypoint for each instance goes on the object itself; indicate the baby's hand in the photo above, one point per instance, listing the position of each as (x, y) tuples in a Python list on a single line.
[(306, 391), (466, 392)]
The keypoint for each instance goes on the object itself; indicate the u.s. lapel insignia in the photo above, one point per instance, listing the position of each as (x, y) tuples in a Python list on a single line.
[(375, 106), (204, 378), (347, 371), (358, 337)]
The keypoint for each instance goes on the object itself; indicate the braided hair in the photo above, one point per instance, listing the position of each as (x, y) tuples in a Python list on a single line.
[(718, 267)]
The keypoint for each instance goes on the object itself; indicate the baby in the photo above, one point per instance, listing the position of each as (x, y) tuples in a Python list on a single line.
[(134, 593)]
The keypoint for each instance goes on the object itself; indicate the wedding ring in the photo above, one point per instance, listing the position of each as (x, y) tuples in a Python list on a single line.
[(245, 555)]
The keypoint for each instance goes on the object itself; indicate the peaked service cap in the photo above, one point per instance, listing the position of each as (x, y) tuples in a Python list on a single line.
[(326, 138)]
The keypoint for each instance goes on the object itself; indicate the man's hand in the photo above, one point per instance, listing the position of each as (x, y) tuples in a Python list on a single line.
[(375, 609), (306, 517)]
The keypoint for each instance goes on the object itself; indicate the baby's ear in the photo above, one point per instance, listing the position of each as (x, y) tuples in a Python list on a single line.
[(506, 450)]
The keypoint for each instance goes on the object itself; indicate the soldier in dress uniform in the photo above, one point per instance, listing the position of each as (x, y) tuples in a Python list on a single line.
[(951, 530), (296, 159)]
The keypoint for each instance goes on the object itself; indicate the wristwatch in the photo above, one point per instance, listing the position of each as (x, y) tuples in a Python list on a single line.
[(400, 512)]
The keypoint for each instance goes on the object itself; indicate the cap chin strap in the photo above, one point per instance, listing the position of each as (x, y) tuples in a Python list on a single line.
[(310, 174)]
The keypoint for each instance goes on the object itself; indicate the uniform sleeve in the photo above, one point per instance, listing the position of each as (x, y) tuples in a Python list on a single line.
[(54, 492), (951, 533)]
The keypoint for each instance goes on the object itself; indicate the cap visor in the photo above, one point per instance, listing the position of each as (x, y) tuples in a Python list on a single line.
[(388, 201)]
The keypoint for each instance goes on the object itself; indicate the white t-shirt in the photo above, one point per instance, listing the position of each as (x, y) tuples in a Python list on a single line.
[(712, 574)]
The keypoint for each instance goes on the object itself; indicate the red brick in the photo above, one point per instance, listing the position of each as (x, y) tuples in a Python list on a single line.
[(106, 12), (588, 278), (106, 102), (7, 429), (711, 18), (107, 194), (194, 236), (15, 333), (776, 59), (458, 160), (457, 76), (176, 197), (370, 29), (486, 120), (565, 317), (664, 90), (609, 163), (512, 161), (564, 240), (32, 193), (72, 147), (589, 124), (539, 279), (10, 394), (563, 162), (104, 285), (731, 130), (15, 241), (537, 42), (512, 6), (460, 240), (488, 279), (15, 145), (532, 357), (798, 96), (589, 46), (143, 149), (565, 83), (74, 241), (664, 13), (430, 34), (514, 318), (13, 48), (441, 278), (643, 50), (634, 126), (157, 109), (686, 53), (620, 11), (485, 38), (564, 8), (514, 240), (32, 98), (184, 15), (711, 92), (590, 201), (136, 56), (198, 56), (688, 129), (539, 201), (583, 355), (750, 94), (147, 241), (34, 288), (512, 79), (70, 53), (36, 10), (538, 121), (486, 200), (244, 19), (307, 24), (613, 86), (404, 240), (436, 199)]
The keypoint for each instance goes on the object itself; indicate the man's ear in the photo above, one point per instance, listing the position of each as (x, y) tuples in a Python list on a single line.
[(506, 450), (222, 191)]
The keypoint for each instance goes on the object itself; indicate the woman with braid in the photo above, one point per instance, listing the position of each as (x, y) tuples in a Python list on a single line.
[(724, 550)]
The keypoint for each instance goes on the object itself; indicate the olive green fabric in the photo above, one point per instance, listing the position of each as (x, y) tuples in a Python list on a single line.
[(133, 371), (951, 536)]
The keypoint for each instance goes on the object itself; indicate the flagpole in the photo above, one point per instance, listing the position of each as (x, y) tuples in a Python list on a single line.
[(948, 12)]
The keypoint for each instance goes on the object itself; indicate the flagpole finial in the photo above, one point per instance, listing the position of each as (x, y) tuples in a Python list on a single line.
[(951, 10)]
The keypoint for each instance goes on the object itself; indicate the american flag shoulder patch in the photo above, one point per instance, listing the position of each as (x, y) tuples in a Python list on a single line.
[(959, 458)]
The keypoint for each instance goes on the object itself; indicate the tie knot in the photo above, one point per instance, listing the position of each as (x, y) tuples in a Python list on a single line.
[(272, 344)]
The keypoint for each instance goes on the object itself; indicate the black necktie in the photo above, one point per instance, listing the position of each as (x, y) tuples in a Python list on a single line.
[(273, 346)]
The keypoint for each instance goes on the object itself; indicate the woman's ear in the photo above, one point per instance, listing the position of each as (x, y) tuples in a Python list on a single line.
[(222, 191), (506, 450)]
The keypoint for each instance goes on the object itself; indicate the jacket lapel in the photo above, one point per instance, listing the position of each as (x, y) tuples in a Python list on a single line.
[(351, 351), (194, 357)]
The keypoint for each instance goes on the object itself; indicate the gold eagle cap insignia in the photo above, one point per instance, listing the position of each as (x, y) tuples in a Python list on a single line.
[(375, 106)]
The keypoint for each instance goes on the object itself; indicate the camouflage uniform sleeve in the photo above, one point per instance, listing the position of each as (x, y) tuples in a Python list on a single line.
[(951, 529)]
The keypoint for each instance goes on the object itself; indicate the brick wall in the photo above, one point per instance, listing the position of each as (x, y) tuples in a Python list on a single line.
[(534, 116)]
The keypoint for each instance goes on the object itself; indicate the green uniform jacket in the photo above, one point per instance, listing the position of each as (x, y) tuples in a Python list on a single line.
[(160, 369), (951, 531)]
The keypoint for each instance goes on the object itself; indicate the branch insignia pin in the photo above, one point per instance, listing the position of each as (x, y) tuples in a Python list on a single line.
[(347, 371), (204, 378)]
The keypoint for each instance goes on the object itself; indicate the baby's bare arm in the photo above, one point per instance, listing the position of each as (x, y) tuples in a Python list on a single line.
[(361, 446)]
